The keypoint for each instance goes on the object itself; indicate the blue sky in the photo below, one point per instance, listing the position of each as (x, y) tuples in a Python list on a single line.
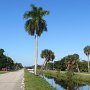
[(68, 29)]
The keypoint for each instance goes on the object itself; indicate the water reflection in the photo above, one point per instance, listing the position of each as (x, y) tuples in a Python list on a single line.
[(66, 84)]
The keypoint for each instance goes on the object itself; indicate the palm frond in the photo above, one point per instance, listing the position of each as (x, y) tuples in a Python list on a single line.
[(29, 27), (87, 50), (42, 26)]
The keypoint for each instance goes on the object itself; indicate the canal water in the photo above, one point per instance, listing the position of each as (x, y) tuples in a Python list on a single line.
[(62, 85)]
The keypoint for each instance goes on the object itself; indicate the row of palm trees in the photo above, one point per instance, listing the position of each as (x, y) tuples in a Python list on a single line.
[(35, 25)]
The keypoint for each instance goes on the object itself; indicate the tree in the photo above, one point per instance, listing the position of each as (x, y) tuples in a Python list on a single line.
[(10, 63), (3, 59), (70, 62), (60, 64), (7, 63), (76, 56), (35, 25), (87, 52), (83, 66), (50, 66), (1, 51), (48, 55), (18, 66)]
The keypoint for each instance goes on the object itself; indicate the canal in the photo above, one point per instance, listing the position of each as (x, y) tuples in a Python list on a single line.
[(64, 85)]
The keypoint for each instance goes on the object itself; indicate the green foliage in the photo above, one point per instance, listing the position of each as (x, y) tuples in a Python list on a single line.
[(35, 23), (71, 61), (83, 66), (2, 72), (7, 63), (68, 79), (67, 63), (48, 55), (50, 66), (18, 66), (1, 51), (60, 65), (3, 59), (87, 50)]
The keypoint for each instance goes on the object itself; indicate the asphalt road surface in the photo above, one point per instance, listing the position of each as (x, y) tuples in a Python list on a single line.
[(12, 80)]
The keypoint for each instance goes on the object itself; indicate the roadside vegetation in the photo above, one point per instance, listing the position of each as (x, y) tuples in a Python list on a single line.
[(71, 62), (33, 82), (80, 78), (7, 63)]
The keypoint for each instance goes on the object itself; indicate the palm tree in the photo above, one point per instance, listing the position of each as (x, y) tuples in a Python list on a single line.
[(76, 57), (70, 62), (87, 52), (35, 25), (48, 55)]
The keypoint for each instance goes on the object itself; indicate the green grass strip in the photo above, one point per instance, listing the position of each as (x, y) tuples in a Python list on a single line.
[(33, 82), (2, 72)]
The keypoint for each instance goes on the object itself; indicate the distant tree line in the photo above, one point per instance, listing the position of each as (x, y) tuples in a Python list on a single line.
[(7, 63), (69, 62), (73, 63), (64, 65)]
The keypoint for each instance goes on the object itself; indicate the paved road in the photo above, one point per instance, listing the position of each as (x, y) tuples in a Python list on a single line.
[(12, 80)]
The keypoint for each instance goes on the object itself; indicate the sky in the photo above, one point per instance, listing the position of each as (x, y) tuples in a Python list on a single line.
[(68, 29)]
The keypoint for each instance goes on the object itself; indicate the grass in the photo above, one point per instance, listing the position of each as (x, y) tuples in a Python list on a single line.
[(33, 82), (55, 74), (2, 72), (82, 78)]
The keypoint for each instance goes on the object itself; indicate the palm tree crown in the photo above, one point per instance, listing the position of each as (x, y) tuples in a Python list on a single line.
[(87, 50), (48, 55), (35, 23)]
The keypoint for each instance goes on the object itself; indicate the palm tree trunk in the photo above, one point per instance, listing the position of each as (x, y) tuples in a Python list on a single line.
[(53, 65), (36, 54), (88, 65), (78, 68), (46, 66)]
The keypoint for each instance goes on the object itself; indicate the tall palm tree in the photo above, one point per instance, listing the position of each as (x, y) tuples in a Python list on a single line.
[(35, 25), (48, 55), (87, 52)]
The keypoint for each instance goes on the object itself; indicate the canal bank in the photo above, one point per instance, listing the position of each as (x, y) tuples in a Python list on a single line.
[(62, 85), (61, 81)]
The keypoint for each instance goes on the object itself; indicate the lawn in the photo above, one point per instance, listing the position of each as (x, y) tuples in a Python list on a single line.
[(33, 82)]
